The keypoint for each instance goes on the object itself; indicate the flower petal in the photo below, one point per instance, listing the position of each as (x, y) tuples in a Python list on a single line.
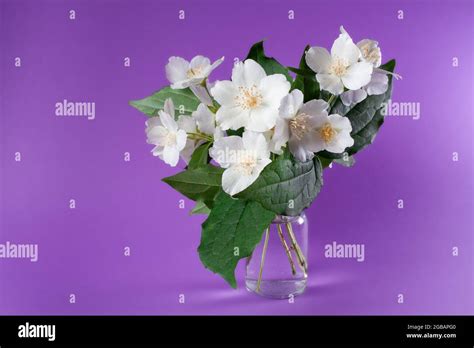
[(273, 88), (341, 123), (225, 92), (290, 104), (168, 122), (256, 142), (199, 62), (187, 123), (201, 93), (217, 63), (261, 164), (186, 83), (315, 107), (330, 83), (229, 117), (280, 135), (234, 180), (353, 96), (247, 73), (340, 144), (378, 84), (157, 151), (357, 75), (188, 150), (318, 59), (169, 107), (343, 137), (205, 119), (262, 119), (226, 150), (344, 48), (176, 69), (156, 135), (181, 138), (298, 150), (370, 52), (153, 122), (170, 155)]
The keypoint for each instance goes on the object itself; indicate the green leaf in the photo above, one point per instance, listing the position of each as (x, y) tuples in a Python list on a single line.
[(302, 72), (286, 186), (200, 208), (200, 156), (325, 162), (231, 232), (367, 135), (269, 64), (305, 79), (389, 66), (339, 108), (202, 183), (185, 102), (362, 113)]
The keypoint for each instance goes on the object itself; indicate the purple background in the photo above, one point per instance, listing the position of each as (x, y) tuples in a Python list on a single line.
[(121, 204)]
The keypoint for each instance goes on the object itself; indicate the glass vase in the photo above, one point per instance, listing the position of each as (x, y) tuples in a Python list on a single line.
[(278, 266)]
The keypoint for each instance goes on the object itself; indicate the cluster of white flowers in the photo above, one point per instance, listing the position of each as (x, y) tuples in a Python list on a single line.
[(262, 105)]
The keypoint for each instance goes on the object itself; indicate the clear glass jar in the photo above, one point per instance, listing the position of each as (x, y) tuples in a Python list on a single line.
[(278, 266)]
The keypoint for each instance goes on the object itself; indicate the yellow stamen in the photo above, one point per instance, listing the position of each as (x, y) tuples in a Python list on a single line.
[(327, 132), (338, 67), (249, 97), (194, 72), (299, 125)]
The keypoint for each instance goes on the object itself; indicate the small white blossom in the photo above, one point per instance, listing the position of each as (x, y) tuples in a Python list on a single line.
[(164, 133), (251, 99), (340, 68), (378, 84), (331, 133), (295, 124), (370, 51), (183, 74), (243, 158), (201, 121)]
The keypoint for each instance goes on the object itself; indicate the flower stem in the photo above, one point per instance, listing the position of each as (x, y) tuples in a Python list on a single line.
[(332, 100), (287, 250), (296, 248), (264, 252)]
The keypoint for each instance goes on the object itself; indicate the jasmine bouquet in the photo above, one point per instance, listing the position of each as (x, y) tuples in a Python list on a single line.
[(255, 146)]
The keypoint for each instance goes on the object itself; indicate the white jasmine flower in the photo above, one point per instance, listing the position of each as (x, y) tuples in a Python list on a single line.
[(243, 158), (296, 125), (331, 133), (340, 68), (164, 133), (202, 121), (370, 51), (251, 99), (182, 73), (378, 84)]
